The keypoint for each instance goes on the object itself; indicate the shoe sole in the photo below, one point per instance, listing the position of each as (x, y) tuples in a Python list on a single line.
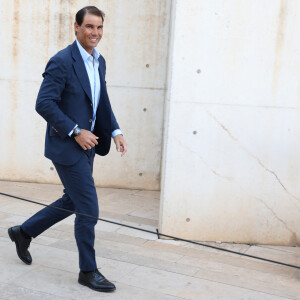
[(11, 235), (98, 290)]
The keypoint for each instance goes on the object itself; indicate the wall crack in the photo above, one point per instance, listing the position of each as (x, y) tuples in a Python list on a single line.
[(203, 161), (252, 155)]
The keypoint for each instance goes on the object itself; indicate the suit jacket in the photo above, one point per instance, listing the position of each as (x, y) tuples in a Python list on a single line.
[(65, 99)]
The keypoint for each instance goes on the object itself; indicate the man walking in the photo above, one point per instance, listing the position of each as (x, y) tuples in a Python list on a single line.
[(80, 122)]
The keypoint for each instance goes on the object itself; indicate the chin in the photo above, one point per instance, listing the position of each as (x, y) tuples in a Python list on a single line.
[(92, 44)]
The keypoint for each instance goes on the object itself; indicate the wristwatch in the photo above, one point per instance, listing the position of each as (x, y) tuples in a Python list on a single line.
[(76, 132)]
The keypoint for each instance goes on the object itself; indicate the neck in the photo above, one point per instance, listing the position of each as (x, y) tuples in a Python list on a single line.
[(88, 50)]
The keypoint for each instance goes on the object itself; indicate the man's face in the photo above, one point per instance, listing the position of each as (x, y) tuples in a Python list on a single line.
[(90, 32)]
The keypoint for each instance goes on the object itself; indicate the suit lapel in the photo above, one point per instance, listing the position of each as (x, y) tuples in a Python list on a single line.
[(80, 71)]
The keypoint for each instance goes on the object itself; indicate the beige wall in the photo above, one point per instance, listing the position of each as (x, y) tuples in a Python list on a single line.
[(231, 162), (135, 35)]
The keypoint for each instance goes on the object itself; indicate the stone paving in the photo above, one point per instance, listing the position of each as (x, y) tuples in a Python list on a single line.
[(142, 266)]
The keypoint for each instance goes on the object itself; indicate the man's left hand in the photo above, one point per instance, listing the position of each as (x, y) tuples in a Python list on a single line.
[(121, 144)]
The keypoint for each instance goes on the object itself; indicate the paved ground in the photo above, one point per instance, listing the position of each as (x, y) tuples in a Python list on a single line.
[(141, 266)]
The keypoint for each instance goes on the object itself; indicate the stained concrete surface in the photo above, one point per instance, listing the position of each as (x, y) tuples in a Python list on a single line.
[(230, 164), (141, 266), (135, 47)]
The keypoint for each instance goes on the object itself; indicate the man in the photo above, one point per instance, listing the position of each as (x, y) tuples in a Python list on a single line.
[(80, 122)]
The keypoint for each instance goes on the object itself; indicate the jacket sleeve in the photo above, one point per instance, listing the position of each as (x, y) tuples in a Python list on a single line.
[(49, 96), (114, 123)]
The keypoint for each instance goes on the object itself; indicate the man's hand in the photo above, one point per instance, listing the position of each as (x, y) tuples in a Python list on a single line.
[(86, 139), (121, 144)]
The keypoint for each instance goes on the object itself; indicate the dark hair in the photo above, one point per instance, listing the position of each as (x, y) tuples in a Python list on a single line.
[(93, 10)]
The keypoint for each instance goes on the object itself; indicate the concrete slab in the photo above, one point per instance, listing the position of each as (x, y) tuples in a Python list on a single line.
[(274, 254), (11, 291), (141, 266), (188, 287)]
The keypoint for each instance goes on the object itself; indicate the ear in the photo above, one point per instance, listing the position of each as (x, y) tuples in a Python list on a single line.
[(76, 27)]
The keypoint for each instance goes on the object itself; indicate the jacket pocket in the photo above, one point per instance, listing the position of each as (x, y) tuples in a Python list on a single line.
[(52, 131)]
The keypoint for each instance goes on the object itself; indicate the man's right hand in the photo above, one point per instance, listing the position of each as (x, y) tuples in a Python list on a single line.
[(86, 139)]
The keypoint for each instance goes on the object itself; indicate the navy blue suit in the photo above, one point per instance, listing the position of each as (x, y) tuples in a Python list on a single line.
[(65, 100)]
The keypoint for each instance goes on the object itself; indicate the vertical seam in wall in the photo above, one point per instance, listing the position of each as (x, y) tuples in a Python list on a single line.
[(168, 80)]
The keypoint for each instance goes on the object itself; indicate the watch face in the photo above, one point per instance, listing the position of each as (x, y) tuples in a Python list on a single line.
[(77, 131)]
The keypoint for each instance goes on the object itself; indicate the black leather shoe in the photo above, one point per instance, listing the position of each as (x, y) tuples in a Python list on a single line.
[(22, 243), (96, 281)]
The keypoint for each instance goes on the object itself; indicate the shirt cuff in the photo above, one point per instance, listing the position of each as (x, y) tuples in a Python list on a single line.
[(70, 133), (116, 132)]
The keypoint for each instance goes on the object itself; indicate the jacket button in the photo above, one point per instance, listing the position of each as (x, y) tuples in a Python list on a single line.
[(91, 104), (90, 120)]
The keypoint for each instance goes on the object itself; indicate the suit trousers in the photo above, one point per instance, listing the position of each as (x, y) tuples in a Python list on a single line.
[(79, 196)]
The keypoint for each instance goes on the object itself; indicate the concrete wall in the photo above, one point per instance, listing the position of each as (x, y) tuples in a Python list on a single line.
[(135, 44), (231, 168), (232, 133)]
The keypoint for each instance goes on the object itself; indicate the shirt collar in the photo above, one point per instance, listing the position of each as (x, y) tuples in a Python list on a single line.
[(85, 55)]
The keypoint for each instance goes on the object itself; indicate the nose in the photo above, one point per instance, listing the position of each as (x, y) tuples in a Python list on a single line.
[(94, 31)]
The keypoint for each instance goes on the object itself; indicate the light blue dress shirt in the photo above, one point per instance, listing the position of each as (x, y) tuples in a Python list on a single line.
[(91, 63)]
